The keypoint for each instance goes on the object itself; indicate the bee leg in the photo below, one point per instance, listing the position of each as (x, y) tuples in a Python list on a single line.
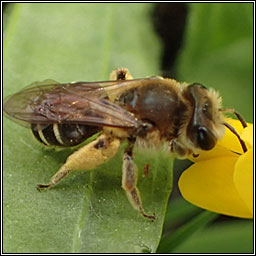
[(120, 74), (62, 172), (129, 181), (86, 158)]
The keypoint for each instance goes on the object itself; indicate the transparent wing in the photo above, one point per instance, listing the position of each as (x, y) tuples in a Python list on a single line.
[(80, 103)]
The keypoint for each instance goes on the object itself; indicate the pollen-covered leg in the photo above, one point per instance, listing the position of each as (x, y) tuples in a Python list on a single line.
[(86, 158), (120, 74), (129, 181)]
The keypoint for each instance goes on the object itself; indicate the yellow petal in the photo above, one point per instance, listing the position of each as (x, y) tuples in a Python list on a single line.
[(230, 141), (243, 178), (247, 135), (209, 184), (217, 151)]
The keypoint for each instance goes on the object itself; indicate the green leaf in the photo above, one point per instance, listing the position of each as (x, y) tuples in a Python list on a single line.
[(170, 242), (88, 211), (233, 237), (218, 52)]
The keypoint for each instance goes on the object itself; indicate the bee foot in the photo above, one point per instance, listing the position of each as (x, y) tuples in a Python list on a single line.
[(151, 217), (41, 187)]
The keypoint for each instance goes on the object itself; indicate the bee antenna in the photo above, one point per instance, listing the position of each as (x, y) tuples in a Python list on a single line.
[(237, 135), (231, 110)]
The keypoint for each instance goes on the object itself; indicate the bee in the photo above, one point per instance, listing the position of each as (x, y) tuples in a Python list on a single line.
[(147, 112)]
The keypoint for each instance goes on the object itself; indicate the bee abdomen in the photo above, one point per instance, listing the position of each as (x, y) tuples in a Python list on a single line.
[(63, 135)]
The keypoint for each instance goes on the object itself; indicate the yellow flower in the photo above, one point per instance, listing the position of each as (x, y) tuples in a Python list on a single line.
[(221, 180)]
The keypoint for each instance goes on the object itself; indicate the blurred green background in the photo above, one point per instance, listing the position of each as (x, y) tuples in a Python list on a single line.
[(219, 52), (210, 43)]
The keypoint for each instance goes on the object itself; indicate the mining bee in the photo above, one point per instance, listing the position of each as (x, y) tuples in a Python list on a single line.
[(148, 112)]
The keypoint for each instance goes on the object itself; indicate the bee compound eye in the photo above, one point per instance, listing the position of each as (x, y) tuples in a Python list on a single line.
[(205, 138)]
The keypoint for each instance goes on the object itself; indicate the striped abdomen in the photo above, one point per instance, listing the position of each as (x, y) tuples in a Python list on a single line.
[(63, 135)]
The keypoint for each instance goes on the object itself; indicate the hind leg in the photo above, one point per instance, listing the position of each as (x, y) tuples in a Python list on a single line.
[(86, 158), (93, 154)]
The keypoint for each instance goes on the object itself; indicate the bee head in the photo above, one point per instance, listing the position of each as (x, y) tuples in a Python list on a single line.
[(205, 126)]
